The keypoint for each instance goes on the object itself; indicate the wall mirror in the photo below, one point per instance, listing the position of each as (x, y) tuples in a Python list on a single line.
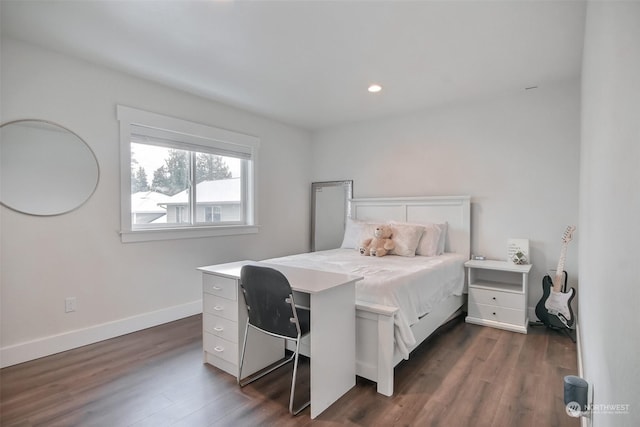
[(45, 169), (329, 211)]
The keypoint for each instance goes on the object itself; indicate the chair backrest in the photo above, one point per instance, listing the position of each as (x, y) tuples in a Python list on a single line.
[(267, 293)]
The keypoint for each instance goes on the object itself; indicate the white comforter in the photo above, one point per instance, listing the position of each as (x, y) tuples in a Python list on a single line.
[(413, 284)]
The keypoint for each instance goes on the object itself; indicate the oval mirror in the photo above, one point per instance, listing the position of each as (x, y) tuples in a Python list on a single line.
[(45, 169)]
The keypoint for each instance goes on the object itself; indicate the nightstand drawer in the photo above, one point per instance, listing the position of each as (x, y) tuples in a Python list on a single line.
[(221, 327), (219, 347), (495, 313), (220, 307), (220, 286), (497, 298)]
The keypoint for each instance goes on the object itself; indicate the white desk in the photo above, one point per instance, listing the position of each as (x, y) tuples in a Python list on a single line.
[(331, 298)]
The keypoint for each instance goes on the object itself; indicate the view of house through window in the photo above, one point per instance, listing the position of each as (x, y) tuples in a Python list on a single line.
[(173, 187), (182, 179)]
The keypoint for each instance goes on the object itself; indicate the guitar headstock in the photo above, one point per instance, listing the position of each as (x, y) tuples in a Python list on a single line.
[(568, 234)]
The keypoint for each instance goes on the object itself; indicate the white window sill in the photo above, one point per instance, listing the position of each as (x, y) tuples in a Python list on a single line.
[(185, 233)]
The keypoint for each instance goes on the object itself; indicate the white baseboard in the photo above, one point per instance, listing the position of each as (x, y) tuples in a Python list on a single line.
[(579, 351), (30, 350), (584, 421)]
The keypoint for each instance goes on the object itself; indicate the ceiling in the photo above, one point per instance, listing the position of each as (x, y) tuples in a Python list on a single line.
[(308, 63)]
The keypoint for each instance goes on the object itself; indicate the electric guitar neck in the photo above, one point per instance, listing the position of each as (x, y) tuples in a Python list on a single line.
[(559, 278)]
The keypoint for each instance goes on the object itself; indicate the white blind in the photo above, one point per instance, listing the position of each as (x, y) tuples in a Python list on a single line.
[(166, 138), (144, 127)]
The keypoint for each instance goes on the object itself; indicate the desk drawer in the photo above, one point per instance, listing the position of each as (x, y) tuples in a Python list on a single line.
[(497, 298), (219, 347), (220, 286), (495, 313), (221, 327), (220, 307)]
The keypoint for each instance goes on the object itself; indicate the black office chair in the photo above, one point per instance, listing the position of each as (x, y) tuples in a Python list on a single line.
[(271, 308)]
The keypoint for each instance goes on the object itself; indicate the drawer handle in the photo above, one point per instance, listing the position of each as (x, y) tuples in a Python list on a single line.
[(218, 308), (494, 313), (216, 288), (218, 349), (494, 298), (218, 329)]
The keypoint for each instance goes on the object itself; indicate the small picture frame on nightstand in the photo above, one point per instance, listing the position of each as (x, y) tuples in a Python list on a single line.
[(518, 251)]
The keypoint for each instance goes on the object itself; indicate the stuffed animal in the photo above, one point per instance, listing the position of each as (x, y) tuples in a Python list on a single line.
[(380, 244)]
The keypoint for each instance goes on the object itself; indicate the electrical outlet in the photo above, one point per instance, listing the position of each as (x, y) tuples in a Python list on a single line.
[(70, 304)]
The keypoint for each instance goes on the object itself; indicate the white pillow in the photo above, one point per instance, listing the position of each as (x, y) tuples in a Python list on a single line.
[(444, 227), (433, 239), (406, 238), (355, 232), (429, 243)]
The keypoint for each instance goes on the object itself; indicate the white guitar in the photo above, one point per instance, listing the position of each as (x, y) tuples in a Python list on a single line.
[(554, 308)]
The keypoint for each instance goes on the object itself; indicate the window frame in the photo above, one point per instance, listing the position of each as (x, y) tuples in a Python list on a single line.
[(189, 136)]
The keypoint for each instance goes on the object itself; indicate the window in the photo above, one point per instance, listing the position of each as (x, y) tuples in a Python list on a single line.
[(183, 179), (212, 213), (180, 217), (208, 214)]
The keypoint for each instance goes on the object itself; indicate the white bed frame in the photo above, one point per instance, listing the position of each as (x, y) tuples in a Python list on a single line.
[(376, 355)]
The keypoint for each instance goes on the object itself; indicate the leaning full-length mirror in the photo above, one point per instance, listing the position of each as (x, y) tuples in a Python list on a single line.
[(329, 211), (45, 169)]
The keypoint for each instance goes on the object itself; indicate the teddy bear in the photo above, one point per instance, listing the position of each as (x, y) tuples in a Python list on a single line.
[(380, 244)]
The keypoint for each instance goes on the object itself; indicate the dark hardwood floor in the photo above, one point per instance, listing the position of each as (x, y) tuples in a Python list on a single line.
[(465, 375)]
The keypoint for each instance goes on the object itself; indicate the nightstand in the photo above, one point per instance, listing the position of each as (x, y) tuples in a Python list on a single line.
[(498, 294)]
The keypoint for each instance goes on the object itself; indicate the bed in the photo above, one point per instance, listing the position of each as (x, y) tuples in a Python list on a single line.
[(395, 310)]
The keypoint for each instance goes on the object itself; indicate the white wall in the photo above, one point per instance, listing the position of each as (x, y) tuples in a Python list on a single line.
[(119, 286), (610, 210), (515, 154)]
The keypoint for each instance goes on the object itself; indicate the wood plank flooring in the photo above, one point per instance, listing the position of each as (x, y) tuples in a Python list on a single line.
[(465, 375)]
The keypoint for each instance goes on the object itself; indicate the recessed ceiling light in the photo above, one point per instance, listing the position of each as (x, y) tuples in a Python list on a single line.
[(374, 88)]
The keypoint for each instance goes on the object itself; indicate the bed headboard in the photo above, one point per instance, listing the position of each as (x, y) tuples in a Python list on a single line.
[(455, 210)]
